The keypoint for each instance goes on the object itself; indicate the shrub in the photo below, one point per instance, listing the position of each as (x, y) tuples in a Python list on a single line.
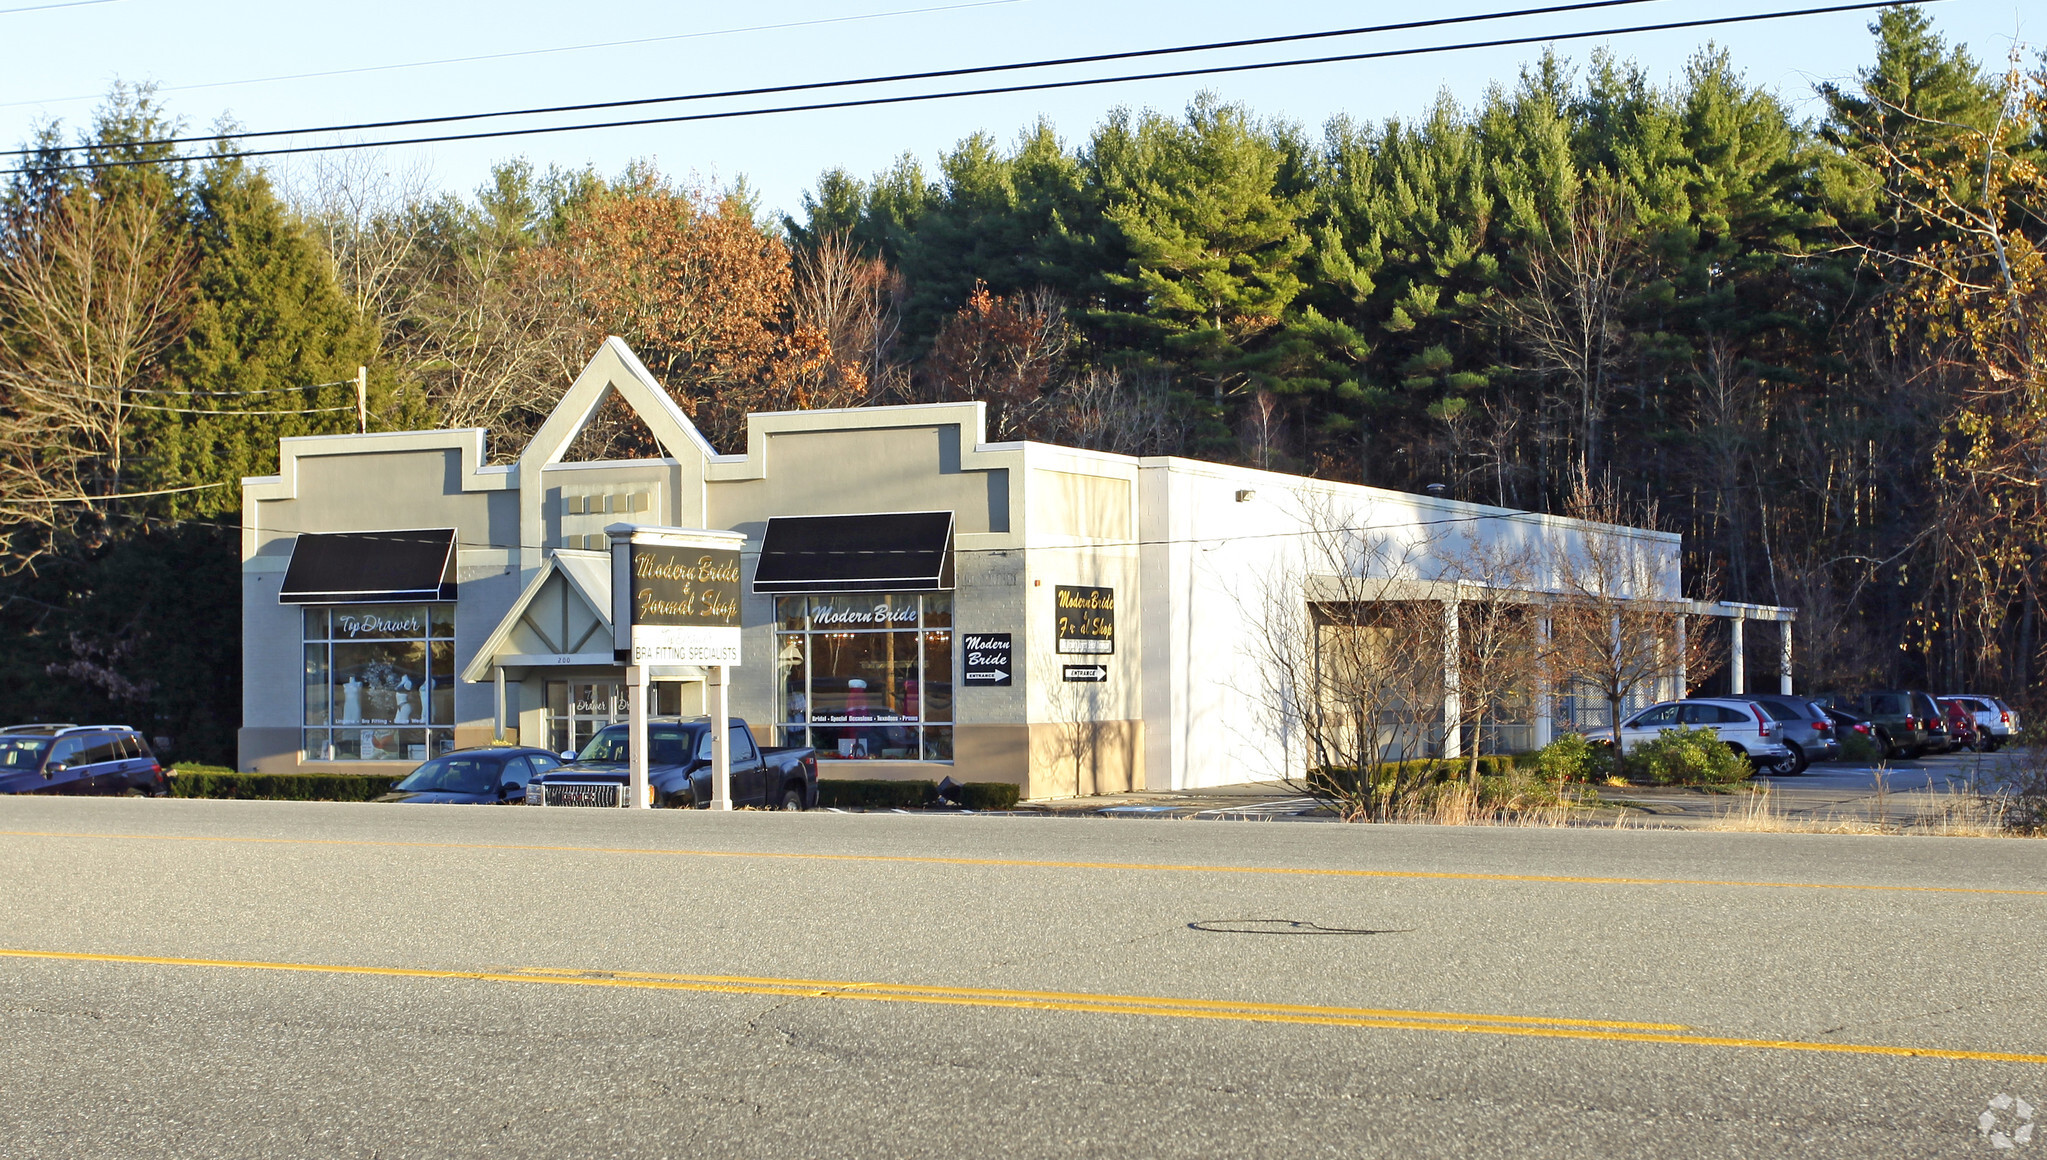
[(989, 795), (1686, 757), (217, 782), (910, 795), (1572, 758), (1860, 747)]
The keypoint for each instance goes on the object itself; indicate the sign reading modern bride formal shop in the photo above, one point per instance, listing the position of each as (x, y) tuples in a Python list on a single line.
[(675, 595), (1086, 619)]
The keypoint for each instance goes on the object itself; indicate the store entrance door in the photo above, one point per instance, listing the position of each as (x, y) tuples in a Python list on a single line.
[(578, 708)]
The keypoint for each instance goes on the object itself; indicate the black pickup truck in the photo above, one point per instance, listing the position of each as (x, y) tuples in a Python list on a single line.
[(679, 770)]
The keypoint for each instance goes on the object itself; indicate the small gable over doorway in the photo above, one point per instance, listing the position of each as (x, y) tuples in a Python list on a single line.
[(562, 618)]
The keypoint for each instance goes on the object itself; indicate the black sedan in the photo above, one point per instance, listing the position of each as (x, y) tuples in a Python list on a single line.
[(496, 775)]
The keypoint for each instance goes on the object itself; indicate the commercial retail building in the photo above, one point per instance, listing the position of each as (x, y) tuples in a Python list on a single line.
[(917, 601)]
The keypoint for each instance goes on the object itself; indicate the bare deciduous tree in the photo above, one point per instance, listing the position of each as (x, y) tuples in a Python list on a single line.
[(93, 288), (852, 301), (1614, 624), (1498, 653), (1124, 411), (1569, 319), (1344, 662)]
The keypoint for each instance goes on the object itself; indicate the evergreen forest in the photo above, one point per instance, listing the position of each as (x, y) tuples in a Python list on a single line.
[(1816, 346)]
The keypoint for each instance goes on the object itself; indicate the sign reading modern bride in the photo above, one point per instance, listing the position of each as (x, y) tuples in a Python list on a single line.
[(675, 595)]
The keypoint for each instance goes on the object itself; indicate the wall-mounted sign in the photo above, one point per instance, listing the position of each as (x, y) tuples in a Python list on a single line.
[(856, 611), (1092, 674), (987, 658), (1086, 619), (675, 596)]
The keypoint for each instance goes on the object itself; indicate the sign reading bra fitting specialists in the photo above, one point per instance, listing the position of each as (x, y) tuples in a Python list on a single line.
[(1086, 619), (675, 596)]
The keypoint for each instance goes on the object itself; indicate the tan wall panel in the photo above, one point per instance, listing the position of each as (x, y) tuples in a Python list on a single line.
[(1063, 503), (1085, 758)]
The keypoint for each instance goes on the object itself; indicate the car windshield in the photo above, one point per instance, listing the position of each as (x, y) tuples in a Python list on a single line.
[(453, 775), (667, 745), (22, 752)]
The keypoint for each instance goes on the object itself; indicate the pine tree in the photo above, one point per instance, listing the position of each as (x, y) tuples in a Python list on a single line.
[(272, 351)]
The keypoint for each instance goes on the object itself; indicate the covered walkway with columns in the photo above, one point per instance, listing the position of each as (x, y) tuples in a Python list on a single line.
[(1452, 596)]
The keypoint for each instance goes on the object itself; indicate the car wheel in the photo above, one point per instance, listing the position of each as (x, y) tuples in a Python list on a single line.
[(1797, 763), (1993, 743), (1886, 748), (792, 798)]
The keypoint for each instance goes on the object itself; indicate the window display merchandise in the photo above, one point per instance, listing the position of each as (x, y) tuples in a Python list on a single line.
[(379, 682)]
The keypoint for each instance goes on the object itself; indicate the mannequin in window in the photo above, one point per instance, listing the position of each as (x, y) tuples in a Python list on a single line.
[(351, 701)]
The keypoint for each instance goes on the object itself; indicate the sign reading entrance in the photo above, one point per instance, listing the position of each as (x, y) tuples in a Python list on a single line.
[(1086, 619), (1091, 674), (988, 658), (675, 595)]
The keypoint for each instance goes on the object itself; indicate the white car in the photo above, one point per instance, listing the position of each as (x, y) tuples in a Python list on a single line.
[(1741, 724), (1995, 720)]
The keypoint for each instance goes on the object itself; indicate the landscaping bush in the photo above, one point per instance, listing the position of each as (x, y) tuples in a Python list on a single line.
[(1860, 747), (1686, 757), (910, 795), (219, 782), (1573, 757), (989, 795)]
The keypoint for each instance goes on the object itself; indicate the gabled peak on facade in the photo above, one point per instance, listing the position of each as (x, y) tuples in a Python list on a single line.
[(615, 372)]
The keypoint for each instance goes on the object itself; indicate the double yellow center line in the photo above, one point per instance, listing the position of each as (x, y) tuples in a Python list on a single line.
[(1156, 1006)]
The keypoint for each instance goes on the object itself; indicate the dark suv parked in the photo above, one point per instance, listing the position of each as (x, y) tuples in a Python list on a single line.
[(1906, 722), (78, 759)]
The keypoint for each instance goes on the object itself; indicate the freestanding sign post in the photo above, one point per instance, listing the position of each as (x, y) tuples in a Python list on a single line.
[(675, 601)]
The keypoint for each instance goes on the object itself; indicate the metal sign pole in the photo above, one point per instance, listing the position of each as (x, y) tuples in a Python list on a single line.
[(636, 737), (721, 740)]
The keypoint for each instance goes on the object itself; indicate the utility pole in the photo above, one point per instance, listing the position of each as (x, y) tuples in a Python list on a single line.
[(362, 400)]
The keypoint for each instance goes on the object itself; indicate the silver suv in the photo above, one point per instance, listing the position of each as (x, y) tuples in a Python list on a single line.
[(1743, 725)]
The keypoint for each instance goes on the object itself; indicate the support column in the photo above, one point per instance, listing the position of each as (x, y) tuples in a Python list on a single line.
[(1453, 697), (497, 719), (1684, 628), (637, 796), (1784, 658), (1545, 689), (721, 737), (1736, 673)]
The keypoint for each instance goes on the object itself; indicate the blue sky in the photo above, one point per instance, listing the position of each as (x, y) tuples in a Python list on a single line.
[(59, 58)]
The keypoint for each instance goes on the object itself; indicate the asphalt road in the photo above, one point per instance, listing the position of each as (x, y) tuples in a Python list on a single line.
[(231, 979)]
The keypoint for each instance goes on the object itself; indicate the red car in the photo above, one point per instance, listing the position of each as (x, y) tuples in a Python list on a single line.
[(1961, 725)]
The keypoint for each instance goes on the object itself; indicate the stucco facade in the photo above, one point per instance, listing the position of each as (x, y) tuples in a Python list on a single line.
[(1188, 550)]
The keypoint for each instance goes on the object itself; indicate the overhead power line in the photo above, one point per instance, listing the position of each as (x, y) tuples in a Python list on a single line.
[(1041, 86), (633, 42), (47, 7), (889, 78)]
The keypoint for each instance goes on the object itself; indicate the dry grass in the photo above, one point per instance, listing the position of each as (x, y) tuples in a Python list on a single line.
[(1957, 811)]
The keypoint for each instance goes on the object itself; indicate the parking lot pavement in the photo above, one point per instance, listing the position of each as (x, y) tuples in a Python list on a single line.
[(262, 979), (1894, 793)]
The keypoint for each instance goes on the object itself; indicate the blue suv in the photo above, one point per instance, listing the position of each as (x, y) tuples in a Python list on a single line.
[(79, 759)]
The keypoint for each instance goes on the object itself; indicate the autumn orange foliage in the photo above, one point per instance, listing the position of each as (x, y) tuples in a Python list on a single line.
[(701, 294)]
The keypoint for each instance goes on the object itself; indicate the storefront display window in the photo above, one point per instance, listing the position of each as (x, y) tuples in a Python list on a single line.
[(866, 676), (379, 682)]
